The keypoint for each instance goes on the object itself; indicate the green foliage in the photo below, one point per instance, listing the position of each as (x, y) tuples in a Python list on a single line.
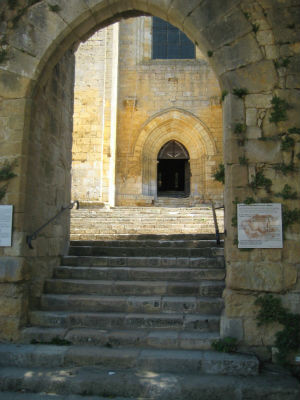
[(234, 220), (239, 128), (282, 62), (288, 339), (247, 15), (294, 130), (298, 156), (290, 217), (219, 175), (249, 200), (255, 28), (270, 309), (12, 4), (223, 95), (54, 7), (287, 193), (6, 173), (284, 168), (20, 14), (3, 55), (260, 181), (280, 107), (210, 53), (3, 190), (243, 160), (291, 26), (226, 345), (240, 92), (287, 143)]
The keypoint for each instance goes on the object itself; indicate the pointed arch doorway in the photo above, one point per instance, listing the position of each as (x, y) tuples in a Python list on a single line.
[(173, 170)]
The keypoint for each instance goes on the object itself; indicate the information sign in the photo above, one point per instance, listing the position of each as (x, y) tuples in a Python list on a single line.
[(6, 214), (259, 226)]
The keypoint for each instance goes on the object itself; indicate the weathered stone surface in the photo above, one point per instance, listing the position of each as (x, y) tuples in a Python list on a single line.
[(256, 276), (12, 85), (237, 175), (239, 304), (241, 52), (12, 269), (251, 117), (257, 77), (260, 335), (9, 328), (258, 100), (263, 151), (232, 327)]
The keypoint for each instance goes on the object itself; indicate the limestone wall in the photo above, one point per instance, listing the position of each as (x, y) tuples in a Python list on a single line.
[(23, 271), (87, 147), (148, 87)]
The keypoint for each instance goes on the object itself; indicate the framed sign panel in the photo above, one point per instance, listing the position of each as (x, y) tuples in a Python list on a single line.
[(6, 215), (259, 226)]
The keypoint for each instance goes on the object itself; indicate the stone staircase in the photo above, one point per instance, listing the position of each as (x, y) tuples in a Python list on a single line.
[(96, 224), (134, 318)]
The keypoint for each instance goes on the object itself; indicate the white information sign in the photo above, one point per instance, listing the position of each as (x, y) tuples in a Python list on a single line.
[(259, 226), (6, 214)]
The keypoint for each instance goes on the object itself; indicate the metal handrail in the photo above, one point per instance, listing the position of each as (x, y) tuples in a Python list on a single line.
[(218, 238), (34, 235)]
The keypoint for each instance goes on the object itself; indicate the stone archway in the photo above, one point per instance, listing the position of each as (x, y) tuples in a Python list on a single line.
[(187, 129), (244, 42)]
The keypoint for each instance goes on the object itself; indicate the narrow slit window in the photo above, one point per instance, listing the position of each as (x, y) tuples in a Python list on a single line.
[(168, 42)]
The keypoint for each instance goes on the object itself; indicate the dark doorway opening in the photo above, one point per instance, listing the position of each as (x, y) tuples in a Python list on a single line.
[(173, 170)]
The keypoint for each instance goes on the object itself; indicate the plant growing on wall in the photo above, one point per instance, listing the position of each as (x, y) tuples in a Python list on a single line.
[(6, 173), (279, 110), (288, 339), (219, 175)]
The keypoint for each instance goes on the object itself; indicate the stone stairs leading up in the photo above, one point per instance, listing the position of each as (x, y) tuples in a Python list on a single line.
[(96, 224), (134, 319)]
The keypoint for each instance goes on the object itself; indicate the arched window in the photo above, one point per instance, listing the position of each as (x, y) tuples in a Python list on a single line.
[(168, 42)]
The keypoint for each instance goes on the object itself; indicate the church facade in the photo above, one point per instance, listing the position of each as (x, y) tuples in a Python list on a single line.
[(143, 125)]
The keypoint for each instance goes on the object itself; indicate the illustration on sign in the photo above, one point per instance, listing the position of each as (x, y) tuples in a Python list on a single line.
[(260, 226)]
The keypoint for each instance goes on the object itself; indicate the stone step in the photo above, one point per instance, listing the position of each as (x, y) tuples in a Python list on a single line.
[(144, 288), (145, 338), (151, 262), (141, 251), (93, 382), (25, 395), (132, 304), (150, 243), (71, 320), (178, 361), (139, 274), (155, 237)]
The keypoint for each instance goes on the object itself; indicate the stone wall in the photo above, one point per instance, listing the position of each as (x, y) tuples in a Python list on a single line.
[(88, 118), (257, 154), (23, 271), (150, 87)]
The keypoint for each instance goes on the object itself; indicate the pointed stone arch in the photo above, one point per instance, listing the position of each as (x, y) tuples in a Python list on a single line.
[(187, 129)]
